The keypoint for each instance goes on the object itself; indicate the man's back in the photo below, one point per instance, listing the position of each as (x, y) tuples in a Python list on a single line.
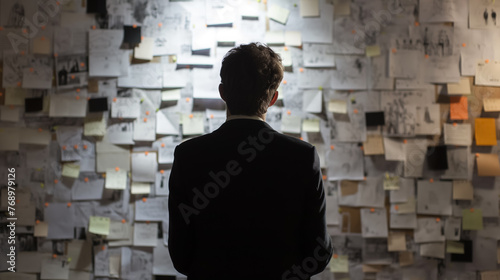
[(247, 202)]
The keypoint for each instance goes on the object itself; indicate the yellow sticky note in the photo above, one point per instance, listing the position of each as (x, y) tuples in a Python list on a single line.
[(372, 51), (310, 125), (339, 264), (71, 170), (472, 219), (486, 134), (455, 247), (99, 225)]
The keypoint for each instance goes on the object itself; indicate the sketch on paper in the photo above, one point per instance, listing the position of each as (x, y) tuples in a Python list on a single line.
[(351, 128), (15, 13), (318, 55), (71, 71), (345, 161), (13, 66), (351, 73), (443, 10), (484, 14), (400, 117), (38, 73), (435, 40), (428, 120), (344, 39), (458, 163), (379, 80)]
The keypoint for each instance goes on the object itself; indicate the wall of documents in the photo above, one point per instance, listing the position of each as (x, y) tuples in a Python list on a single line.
[(400, 97)]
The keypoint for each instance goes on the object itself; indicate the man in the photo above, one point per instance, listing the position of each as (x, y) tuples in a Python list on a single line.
[(247, 202)]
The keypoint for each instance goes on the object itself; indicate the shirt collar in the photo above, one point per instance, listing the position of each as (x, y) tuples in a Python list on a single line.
[(236, 117)]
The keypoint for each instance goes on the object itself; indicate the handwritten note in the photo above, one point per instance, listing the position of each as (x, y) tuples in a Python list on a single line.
[(99, 225)]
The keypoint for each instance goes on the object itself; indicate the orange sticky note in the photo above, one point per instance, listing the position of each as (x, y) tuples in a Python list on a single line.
[(459, 108), (486, 134)]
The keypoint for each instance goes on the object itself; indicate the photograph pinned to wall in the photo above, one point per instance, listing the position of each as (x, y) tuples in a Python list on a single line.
[(71, 71), (345, 161)]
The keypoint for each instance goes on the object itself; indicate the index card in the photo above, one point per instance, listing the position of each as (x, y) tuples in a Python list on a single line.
[(429, 230), (463, 87), (278, 13), (457, 134), (116, 179), (95, 124), (434, 250), (396, 241), (373, 145), (373, 223), (153, 209), (452, 228), (144, 166), (126, 107), (434, 198), (60, 219), (312, 101), (486, 134), (491, 104), (462, 190), (309, 8), (459, 108), (487, 73), (54, 268), (145, 234), (99, 225), (67, 106), (488, 165), (472, 219)]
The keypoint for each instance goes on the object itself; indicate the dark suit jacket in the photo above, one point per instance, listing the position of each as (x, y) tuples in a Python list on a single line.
[(247, 202)]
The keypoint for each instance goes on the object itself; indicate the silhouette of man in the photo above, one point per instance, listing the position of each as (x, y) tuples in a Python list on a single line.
[(247, 202)]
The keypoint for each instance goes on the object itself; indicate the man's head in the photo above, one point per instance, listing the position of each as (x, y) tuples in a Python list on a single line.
[(250, 77)]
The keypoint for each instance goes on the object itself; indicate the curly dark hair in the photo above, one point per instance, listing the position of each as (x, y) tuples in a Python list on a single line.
[(250, 76)]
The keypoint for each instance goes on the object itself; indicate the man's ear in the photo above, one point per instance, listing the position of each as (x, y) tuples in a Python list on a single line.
[(275, 97), (221, 92)]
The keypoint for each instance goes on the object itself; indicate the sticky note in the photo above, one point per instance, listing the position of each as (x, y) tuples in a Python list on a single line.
[(339, 264), (42, 46), (140, 188), (278, 14), (486, 134), (116, 180), (372, 51), (71, 170), (391, 182), (145, 49), (488, 165), (455, 247), (99, 225), (491, 104), (337, 106), (309, 125), (462, 190), (459, 108), (309, 8), (463, 87), (472, 219), (374, 145)]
